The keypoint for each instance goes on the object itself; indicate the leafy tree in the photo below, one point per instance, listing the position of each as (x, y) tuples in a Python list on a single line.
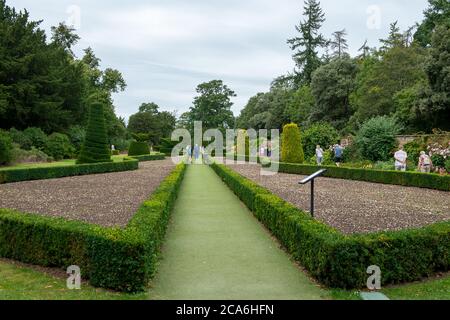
[(437, 13), (96, 147), (301, 105), (213, 106), (339, 44), (40, 86), (376, 138), (291, 144), (307, 43), (438, 72), (381, 77), (65, 37), (152, 122), (331, 87), (320, 133)]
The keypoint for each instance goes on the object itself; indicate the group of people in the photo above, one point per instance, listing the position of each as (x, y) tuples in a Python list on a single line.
[(194, 153), (338, 151), (401, 157)]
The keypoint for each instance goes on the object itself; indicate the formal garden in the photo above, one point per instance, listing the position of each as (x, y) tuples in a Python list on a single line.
[(94, 206)]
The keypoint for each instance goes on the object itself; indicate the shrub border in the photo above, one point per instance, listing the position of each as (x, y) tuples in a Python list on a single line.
[(149, 157), (338, 260), (27, 174), (407, 179), (112, 258)]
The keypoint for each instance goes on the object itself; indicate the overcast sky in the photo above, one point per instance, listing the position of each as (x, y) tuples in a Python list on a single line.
[(165, 48)]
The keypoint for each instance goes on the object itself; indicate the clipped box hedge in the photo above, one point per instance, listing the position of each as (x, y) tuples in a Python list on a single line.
[(338, 260), (150, 157), (408, 179), (113, 258), (26, 174)]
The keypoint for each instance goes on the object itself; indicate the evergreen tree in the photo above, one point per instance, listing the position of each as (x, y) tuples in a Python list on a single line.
[(365, 50), (339, 43), (96, 147), (437, 13), (395, 39), (305, 45)]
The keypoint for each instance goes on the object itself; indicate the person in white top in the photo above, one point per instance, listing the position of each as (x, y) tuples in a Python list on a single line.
[(400, 159), (425, 163), (319, 155)]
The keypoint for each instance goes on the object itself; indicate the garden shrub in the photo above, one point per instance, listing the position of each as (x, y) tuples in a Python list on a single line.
[(112, 258), (5, 148), (25, 174), (37, 137), (96, 147), (33, 155), (138, 149), (20, 138), (447, 165), (291, 144), (116, 152), (59, 146), (376, 139), (338, 260), (322, 134), (438, 161)]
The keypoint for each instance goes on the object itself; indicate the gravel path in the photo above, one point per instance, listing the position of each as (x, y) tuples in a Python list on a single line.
[(109, 199), (356, 206)]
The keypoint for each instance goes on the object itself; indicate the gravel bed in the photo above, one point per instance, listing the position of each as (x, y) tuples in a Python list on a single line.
[(109, 199), (356, 206)]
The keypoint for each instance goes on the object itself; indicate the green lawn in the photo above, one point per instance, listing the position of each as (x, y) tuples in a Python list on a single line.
[(24, 283), (62, 163), (433, 289)]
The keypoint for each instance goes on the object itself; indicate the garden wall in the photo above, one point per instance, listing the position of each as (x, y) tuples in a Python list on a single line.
[(113, 258), (16, 175), (341, 261), (409, 179)]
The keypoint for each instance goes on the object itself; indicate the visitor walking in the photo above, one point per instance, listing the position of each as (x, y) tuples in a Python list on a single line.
[(196, 152), (189, 152), (338, 154), (425, 163), (319, 155), (400, 159)]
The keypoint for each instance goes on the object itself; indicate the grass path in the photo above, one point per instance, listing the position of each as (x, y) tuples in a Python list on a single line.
[(216, 249)]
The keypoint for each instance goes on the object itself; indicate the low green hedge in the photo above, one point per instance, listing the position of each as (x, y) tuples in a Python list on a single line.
[(26, 174), (113, 258), (338, 260), (150, 157), (409, 179)]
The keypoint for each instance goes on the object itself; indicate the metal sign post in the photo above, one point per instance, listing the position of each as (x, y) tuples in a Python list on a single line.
[(311, 179)]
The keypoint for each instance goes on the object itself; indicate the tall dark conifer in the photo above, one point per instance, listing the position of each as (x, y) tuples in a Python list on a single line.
[(306, 44)]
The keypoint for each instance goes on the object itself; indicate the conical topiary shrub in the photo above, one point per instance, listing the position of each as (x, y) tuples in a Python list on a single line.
[(291, 145), (96, 147)]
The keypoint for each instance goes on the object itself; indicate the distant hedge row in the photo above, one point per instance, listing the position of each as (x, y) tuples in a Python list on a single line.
[(409, 179), (113, 258), (26, 174), (341, 261), (150, 157)]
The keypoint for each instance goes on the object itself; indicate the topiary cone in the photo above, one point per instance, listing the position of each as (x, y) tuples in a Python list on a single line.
[(291, 145), (96, 146)]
